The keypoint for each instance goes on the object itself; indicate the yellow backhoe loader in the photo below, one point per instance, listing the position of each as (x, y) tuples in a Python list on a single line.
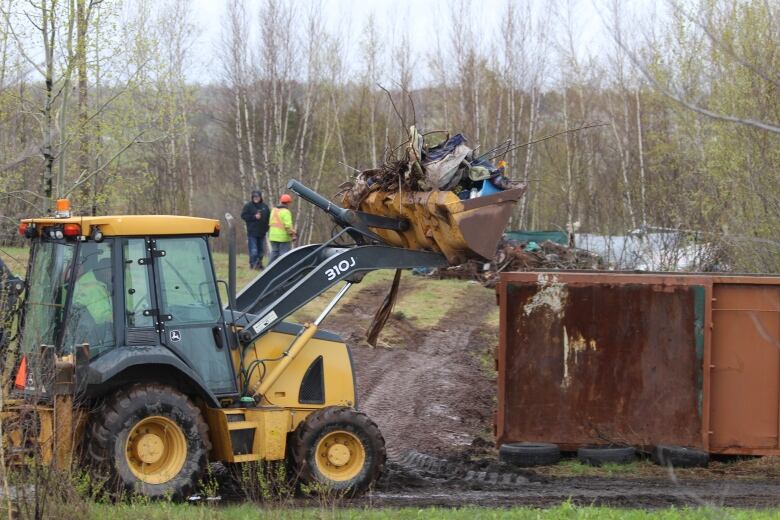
[(128, 360)]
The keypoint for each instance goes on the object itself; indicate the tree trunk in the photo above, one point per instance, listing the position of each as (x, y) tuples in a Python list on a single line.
[(569, 171), (239, 145), (533, 114), (250, 144), (624, 155), (641, 159), (83, 161), (48, 29)]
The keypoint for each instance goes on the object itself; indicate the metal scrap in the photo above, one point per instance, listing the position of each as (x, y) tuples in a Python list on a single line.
[(449, 165), (513, 256)]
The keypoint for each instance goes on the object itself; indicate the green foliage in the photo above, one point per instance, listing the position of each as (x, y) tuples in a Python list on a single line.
[(265, 481), (723, 177), (567, 510), (208, 484), (163, 143)]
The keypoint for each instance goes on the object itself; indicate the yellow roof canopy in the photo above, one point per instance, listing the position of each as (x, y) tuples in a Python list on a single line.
[(136, 225)]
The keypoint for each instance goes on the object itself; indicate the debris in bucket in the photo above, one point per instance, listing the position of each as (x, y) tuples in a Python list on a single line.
[(526, 256), (450, 165)]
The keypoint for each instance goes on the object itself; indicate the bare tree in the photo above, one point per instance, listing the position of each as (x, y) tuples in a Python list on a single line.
[(703, 16), (235, 63)]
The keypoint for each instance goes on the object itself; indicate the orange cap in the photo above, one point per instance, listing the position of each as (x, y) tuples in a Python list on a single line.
[(285, 199), (63, 205)]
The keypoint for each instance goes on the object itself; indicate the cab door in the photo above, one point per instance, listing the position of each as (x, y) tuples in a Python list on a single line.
[(192, 324), (140, 300)]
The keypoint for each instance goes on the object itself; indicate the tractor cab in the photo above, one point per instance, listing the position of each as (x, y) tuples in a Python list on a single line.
[(123, 281)]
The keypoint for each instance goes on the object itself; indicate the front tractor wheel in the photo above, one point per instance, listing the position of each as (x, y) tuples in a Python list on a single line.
[(151, 440), (339, 449)]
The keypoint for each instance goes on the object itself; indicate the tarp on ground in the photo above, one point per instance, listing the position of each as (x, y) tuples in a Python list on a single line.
[(655, 251), (523, 237)]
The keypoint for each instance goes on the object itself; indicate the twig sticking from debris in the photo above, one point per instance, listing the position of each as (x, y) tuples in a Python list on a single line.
[(520, 257), (395, 108), (562, 132)]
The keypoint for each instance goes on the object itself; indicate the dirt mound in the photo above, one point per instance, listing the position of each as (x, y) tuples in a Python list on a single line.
[(431, 393)]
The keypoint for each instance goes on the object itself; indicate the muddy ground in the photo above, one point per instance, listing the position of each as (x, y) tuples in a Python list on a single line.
[(433, 397), (428, 392)]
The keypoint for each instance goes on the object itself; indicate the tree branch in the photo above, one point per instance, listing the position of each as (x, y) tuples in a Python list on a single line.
[(721, 44), (84, 177), (28, 153), (19, 44), (677, 97)]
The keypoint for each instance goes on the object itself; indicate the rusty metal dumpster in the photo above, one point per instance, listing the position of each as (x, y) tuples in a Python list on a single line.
[(641, 359)]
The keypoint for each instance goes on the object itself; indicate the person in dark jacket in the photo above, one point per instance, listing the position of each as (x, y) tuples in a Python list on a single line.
[(256, 215)]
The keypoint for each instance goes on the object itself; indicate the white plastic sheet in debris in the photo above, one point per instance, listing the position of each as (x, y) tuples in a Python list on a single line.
[(657, 251)]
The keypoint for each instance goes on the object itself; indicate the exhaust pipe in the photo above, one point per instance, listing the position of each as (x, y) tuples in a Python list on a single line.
[(231, 261)]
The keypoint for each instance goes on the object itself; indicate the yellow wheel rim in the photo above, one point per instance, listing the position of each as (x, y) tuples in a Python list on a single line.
[(156, 450), (340, 456)]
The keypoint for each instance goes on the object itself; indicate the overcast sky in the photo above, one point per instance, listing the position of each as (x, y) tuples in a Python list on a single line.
[(420, 18)]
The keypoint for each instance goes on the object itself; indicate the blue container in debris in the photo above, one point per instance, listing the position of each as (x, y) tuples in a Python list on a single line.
[(488, 188)]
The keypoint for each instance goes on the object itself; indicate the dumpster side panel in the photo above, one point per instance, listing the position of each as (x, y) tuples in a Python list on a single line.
[(745, 368), (606, 359)]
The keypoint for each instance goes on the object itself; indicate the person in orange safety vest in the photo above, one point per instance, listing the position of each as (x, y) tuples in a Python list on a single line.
[(281, 233)]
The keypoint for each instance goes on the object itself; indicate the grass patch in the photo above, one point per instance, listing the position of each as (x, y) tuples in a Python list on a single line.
[(311, 310), (573, 467), (736, 468), (167, 511), (15, 258), (489, 335), (244, 274), (426, 301)]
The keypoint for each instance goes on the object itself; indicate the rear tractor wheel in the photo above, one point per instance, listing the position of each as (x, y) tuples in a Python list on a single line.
[(339, 449), (151, 440)]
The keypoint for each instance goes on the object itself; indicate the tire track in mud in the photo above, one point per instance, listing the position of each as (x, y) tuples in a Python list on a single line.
[(585, 491), (431, 395), (419, 480)]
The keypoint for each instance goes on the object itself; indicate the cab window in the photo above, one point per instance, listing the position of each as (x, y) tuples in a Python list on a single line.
[(187, 283), (91, 315), (138, 295)]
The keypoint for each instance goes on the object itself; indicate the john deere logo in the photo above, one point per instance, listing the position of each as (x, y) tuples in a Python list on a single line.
[(175, 335)]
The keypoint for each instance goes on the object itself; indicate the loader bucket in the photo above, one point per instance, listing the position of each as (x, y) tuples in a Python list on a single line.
[(440, 221)]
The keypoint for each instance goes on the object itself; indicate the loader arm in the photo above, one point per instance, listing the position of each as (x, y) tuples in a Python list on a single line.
[(305, 273)]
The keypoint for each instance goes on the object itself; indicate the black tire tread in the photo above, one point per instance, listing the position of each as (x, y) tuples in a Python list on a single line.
[(107, 419), (598, 455), (680, 456), (528, 454), (306, 432)]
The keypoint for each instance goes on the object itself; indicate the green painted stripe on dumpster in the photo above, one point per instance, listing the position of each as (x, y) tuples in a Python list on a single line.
[(698, 335)]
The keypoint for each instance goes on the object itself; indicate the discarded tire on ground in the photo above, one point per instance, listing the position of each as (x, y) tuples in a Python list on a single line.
[(528, 454), (598, 455), (680, 457)]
